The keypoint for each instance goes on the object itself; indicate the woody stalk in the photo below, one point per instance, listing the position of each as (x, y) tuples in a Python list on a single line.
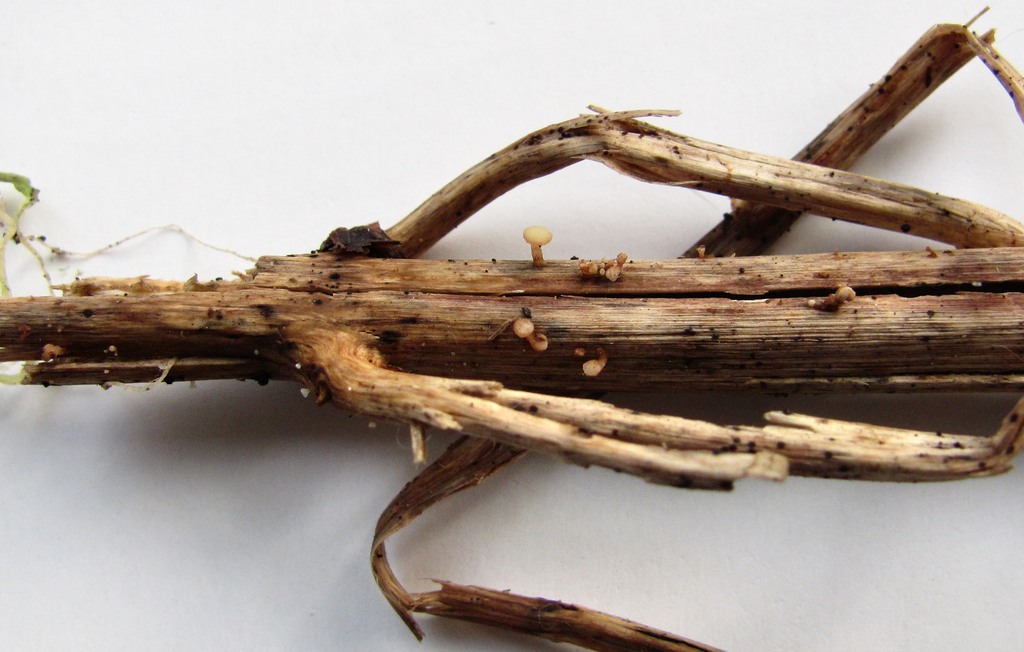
[(500, 350)]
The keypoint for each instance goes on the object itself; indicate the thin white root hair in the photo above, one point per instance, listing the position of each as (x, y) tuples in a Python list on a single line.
[(60, 252)]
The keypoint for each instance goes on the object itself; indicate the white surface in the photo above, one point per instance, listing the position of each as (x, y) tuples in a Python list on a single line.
[(232, 516)]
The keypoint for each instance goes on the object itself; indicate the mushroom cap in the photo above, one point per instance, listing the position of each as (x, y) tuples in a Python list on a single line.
[(537, 235), (522, 327), (593, 367)]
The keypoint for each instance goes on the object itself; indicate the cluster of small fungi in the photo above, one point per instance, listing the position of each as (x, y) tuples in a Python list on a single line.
[(610, 270), (524, 328)]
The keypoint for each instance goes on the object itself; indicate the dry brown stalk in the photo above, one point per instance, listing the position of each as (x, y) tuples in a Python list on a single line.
[(470, 461), (652, 154), (758, 218), (466, 463), (334, 333), (750, 228), (432, 344), (665, 325)]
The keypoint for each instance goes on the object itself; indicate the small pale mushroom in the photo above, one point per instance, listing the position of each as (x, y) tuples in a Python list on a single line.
[(588, 268), (593, 367), (845, 294), (831, 303), (525, 330), (537, 237), (52, 351)]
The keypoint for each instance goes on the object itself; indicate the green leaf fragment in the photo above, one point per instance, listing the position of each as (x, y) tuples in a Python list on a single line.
[(22, 185)]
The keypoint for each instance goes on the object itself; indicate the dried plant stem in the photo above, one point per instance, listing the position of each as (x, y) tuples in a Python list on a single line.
[(751, 227), (890, 272), (346, 371), (469, 461), (428, 343), (551, 619), (651, 154), (465, 464), (921, 320), (333, 354), (1004, 71)]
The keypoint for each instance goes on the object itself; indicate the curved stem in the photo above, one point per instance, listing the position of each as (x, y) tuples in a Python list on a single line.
[(345, 370), (655, 155), (465, 464), (750, 228), (469, 461), (342, 368)]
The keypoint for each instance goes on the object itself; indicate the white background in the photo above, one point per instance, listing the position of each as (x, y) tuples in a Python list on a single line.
[(232, 516)]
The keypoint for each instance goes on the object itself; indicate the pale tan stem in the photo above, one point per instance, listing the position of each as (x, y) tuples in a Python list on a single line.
[(344, 370), (808, 440), (1008, 76), (751, 227), (650, 154), (813, 446), (923, 271), (465, 464), (920, 320)]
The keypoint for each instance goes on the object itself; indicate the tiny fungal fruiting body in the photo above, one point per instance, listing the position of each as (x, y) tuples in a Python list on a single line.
[(524, 329), (610, 270), (831, 303), (594, 367), (52, 351), (537, 237)]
